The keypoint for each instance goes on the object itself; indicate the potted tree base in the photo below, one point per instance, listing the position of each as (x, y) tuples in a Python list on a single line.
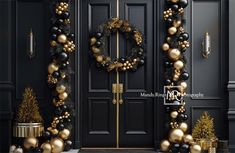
[(29, 121)]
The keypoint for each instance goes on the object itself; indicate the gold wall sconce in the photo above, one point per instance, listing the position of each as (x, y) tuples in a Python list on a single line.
[(31, 44), (206, 46)]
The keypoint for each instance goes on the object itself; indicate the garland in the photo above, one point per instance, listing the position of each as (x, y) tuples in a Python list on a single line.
[(176, 43), (98, 41)]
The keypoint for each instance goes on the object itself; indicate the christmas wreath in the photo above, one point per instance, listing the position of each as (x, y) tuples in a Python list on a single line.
[(135, 57)]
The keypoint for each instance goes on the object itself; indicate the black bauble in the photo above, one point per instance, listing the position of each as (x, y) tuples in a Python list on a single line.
[(60, 22), (71, 36), (56, 74), (60, 126), (183, 3), (64, 107), (63, 65), (98, 35), (67, 145), (98, 43), (183, 50), (54, 29), (167, 82), (58, 111), (46, 135), (175, 148), (62, 57), (184, 76), (174, 7), (167, 64), (141, 62), (53, 36), (180, 38), (169, 21), (66, 15), (184, 148), (122, 59), (185, 35)]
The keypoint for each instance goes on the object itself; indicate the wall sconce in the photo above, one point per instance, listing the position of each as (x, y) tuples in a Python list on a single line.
[(31, 44), (206, 45)]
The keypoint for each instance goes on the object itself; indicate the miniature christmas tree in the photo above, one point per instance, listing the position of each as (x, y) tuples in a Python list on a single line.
[(204, 128), (28, 110)]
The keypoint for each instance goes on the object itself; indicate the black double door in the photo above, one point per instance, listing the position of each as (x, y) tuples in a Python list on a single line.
[(103, 125)]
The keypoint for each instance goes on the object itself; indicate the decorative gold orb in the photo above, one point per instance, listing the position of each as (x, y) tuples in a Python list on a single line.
[(52, 68), (57, 145), (99, 58), (183, 86), (188, 138), (172, 30), (174, 114), (12, 148), (178, 65), (174, 54), (93, 41), (174, 1), (54, 131), (60, 88), (183, 126), (164, 145), (63, 95), (64, 134), (176, 135), (177, 23), (46, 147), (30, 142), (62, 38), (195, 149), (18, 150), (95, 49), (165, 47)]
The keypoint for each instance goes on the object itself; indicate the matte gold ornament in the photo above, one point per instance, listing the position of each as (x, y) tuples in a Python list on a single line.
[(177, 23), (18, 150), (172, 30), (183, 126), (195, 148), (60, 88), (12, 148), (52, 68), (174, 54), (174, 1), (57, 145), (176, 135), (93, 41), (165, 145), (188, 138), (178, 65), (165, 47), (64, 134), (183, 86), (46, 147), (30, 142), (62, 38), (63, 95), (95, 49), (174, 114), (99, 58)]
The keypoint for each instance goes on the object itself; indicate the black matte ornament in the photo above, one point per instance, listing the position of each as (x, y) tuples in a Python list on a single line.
[(46, 135), (183, 3), (56, 74), (98, 35), (184, 148), (184, 76), (62, 57), (67, 145)]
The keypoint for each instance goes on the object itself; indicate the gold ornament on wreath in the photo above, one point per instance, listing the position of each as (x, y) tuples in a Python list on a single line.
[(135, 56)]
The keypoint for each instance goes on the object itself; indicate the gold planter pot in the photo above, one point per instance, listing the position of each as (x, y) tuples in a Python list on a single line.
[(206, 144), (28, 129)]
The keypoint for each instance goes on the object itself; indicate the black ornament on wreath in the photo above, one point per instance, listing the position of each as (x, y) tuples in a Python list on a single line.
[(131, 62)]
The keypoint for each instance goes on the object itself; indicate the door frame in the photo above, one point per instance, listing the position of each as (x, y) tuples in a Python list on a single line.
[(158, 103)]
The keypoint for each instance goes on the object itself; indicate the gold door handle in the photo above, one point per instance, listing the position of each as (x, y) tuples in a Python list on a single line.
[(206, 45), (117, 90), (120, 91), (114, 91)]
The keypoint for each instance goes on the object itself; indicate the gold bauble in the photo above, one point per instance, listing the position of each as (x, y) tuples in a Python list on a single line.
[(57, 145), (164, 145), (30, 142), (178, 65), (188, 138), (64, 134), (183, 126), (54, 131), (63, 95), (95, 49), (195, 149), (18, 150), (165, 47), (60, 88), (176, 135), (172, 30), (93, 41), (177, 23), (183, 86), (62, 38), (52, 68), (99, 58), (12, 148), (174, 114), (174, 1), (46, 147), (174, 54)]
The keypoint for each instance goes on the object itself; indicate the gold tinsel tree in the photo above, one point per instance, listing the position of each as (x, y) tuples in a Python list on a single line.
[(204, 128), (28, 110)]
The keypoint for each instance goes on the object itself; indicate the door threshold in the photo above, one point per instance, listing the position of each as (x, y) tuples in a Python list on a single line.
[(114, 148)]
